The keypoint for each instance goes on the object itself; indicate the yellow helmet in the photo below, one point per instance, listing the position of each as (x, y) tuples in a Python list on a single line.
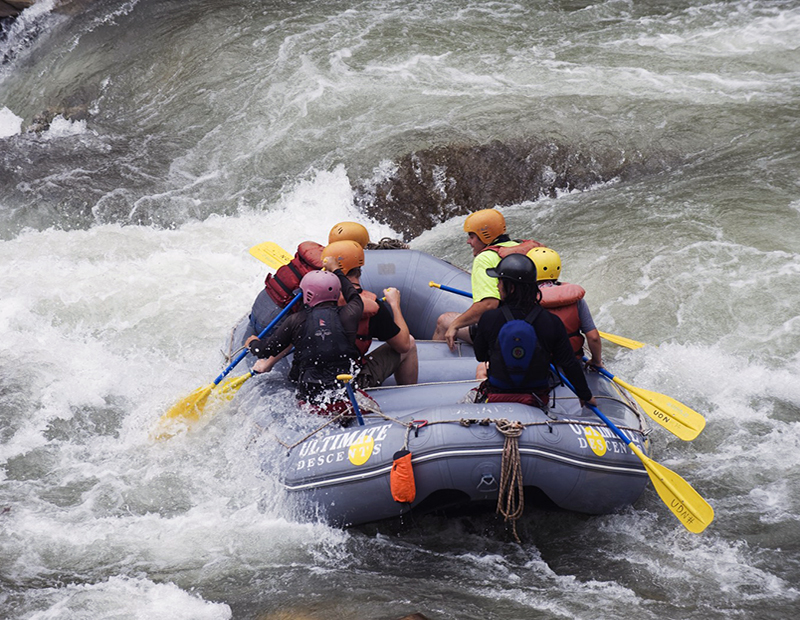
[(548, 263), (349, 230), (488, 224), (347, 252)]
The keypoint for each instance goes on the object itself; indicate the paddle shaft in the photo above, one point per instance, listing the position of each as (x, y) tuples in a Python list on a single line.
[(263, 333), (450, 289), (599, 413), (351, 394)]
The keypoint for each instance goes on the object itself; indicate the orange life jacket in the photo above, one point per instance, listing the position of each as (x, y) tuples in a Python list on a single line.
[(282, 285), (522, 247), (562, 300), (363, 339)]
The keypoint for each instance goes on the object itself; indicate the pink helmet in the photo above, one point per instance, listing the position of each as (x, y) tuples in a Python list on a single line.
[(319, 286)]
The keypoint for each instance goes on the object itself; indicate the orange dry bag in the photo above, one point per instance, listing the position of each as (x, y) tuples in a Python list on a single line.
[(401, 479)]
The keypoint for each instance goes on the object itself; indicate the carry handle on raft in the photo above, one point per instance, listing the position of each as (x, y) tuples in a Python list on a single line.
[(677, 418), (685, 503), (191, 408)]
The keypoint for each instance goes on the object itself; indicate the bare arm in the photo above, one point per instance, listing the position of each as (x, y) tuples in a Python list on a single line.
[(595, 347), (402, 341), (468, 317)]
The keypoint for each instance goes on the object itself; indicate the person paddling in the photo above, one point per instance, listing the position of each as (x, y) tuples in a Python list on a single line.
[(520, 340), (486, 235), (567, 303), (323, 335), (279, 288), (382, 320)]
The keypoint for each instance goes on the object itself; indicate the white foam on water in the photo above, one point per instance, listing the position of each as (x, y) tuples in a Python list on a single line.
[(10, 123), (61, 127), (125, 597), (103, 330)]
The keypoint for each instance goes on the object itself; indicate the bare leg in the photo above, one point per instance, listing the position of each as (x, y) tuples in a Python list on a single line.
[(407, 372), (442, 323)]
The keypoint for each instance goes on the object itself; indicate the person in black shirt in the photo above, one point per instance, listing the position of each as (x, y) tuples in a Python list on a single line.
[(323, 335), (520, 298), (382, 319)]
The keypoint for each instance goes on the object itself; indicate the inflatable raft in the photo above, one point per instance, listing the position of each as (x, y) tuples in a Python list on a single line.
[(461, 452)]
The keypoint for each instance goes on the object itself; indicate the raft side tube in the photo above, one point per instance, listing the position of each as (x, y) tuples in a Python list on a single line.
[(410, 271)]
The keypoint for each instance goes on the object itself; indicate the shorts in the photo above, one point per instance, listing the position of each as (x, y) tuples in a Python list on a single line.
[(377, 366)]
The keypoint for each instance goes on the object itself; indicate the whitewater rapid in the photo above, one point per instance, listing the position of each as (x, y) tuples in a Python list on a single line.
[(663, 140)]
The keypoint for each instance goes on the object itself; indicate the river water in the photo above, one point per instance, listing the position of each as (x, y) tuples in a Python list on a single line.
[(654, 144)]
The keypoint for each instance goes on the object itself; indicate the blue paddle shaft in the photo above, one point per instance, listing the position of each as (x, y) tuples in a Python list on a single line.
[(263, 333), (450, 289), (599, 413), (600, 369), (352, 396)]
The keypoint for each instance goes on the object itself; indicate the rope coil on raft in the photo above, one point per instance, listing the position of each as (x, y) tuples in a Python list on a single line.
[(510, 496)]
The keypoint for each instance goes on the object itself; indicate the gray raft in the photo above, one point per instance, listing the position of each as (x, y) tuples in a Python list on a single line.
[(567, 453)]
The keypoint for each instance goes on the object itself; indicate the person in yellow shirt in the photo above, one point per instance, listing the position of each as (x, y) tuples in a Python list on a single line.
[(486, 235)]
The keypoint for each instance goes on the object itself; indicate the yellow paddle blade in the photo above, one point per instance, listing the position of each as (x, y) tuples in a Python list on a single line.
[(272, 254), (182, 414), (227, 389), (680, 420), (628, 343), (685, 503)]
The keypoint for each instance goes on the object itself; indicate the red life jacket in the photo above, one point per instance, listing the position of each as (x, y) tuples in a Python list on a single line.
[(562, 300), (282, 285), (522, 247), (363, 339)]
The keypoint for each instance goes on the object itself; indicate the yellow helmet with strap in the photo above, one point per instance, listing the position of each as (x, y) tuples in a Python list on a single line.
[(488, 224), (548, 263), (349, 230)]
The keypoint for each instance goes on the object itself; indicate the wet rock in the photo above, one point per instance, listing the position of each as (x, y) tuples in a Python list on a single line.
[(41, 122), (430, 186), (12, 8)]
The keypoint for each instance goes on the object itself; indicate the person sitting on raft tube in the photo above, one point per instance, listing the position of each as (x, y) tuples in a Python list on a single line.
[(323, 335), (398, 355), (279, 288), (486, 235), (520, 341), (567, 303)]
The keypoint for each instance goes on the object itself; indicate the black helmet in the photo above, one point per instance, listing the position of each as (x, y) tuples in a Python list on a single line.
[(515, 267)]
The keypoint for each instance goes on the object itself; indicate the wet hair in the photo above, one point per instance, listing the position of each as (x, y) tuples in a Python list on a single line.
[(521, 294)]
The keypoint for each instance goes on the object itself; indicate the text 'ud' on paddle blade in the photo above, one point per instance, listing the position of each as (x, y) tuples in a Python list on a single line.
[(680, 497)]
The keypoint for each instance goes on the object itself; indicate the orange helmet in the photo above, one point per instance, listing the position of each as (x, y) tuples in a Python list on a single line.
[(349, 230), (548, 263), (488, 224), (348, 253)]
